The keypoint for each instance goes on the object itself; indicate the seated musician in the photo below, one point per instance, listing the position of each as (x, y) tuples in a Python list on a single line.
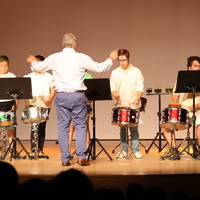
[(186, 102)]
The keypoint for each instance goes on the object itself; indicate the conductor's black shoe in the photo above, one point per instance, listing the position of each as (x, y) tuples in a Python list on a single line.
[(82, 162), (66, 163)]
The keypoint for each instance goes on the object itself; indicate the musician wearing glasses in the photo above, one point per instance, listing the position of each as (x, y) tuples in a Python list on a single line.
[(127, 84)]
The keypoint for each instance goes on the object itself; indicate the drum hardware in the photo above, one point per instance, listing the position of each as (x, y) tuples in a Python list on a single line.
[(172, 153), (123, 115), (12, 148), (127, 147), (159, 134), (35, 151), (188, 82), (187, 148), (4, 145), (15, 88), (35, 116), (113, 151)]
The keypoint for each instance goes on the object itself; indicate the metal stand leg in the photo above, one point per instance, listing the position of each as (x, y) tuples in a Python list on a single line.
[(159, 134), (172, 152), (91, 150), (127, 147), (4, 145), (35, 151), (113, 151)]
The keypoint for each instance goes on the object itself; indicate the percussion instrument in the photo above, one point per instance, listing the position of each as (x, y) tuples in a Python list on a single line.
[(6, 118), (175, 117), (34, 115), (125, 116)]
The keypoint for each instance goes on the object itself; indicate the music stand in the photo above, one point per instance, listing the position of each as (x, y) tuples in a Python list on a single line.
[(189, 82), (159, 134), (97, 90), (15, 88)]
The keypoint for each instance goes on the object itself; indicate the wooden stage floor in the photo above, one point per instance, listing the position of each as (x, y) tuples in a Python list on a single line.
[(151, 170)]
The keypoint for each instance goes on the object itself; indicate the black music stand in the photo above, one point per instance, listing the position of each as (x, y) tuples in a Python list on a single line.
[(189, 82), (159, 134), (15, 88), (97, 90)]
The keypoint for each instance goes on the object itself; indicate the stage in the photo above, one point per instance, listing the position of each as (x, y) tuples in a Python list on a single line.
[(151, 170)]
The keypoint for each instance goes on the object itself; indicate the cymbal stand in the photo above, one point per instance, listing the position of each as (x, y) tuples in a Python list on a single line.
[(159, 134), (127, 147), (4, 145), (35, 151)]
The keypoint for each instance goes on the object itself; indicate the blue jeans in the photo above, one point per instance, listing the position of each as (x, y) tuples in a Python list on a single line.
[(134, 138)]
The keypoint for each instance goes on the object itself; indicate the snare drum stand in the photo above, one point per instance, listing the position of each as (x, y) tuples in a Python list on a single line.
[(126, 147), (12, 148), (172, 152), (159, 134), (35, 151), (4, 145)]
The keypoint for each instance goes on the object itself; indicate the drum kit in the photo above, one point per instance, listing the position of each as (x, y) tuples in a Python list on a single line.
[(124, 115), (35, 116)]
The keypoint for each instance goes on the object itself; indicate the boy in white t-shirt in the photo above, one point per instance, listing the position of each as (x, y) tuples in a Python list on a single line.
[(43, 92)]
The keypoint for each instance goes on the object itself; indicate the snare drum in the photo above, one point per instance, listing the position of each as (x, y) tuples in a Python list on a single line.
[(125, 116), (175, 117), (6, 118), (34, 115)]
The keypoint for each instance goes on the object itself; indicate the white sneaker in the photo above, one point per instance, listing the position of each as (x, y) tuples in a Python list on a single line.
[(138, 155), (121, 154)]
